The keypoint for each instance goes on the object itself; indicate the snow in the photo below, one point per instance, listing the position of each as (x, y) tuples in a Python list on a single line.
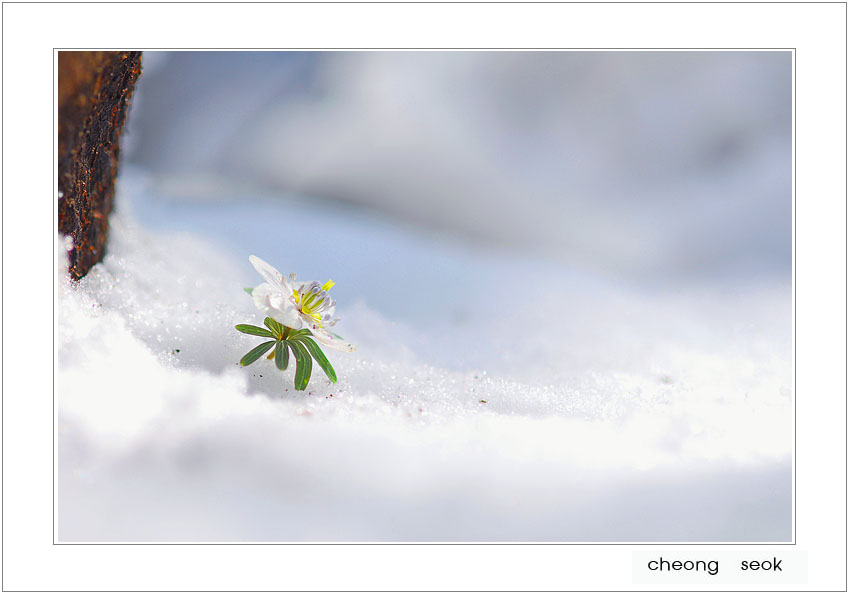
[(611, 411)]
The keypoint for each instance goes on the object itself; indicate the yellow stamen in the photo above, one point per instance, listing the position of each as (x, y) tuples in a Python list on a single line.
[(328, 285), (297, 296)]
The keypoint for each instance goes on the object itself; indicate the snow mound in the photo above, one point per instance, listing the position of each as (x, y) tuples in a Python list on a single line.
[(549, 405)]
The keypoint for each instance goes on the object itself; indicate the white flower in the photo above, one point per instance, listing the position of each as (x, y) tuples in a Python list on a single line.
[(298, 304)]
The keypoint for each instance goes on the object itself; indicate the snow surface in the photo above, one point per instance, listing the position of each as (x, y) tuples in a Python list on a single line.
[(610, 412)]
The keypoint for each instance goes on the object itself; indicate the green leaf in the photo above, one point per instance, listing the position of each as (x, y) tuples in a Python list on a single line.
[(254, 330), (275, 327), (249, 290), (281, 356), (304, 368), (299, 333), (320, 358), (254, 354)]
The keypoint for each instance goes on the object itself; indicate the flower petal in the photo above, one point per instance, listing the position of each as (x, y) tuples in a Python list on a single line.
[(277, 306), (308, 321), (331, 340), (288, 316), (270, 274)]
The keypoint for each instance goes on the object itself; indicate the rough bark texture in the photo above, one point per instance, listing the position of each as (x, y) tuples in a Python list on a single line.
[(94, 94)]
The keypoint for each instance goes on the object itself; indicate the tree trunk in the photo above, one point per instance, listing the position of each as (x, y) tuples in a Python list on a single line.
[(94, 94)]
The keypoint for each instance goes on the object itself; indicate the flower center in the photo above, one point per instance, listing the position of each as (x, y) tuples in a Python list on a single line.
[(313, 299)]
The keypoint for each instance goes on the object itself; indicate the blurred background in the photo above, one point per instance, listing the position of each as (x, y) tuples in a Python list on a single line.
[(651, 166)]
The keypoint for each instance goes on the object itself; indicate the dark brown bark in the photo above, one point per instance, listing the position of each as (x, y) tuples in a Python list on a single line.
[(94, 94)]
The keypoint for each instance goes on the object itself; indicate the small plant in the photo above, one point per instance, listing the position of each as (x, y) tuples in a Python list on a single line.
[(298, 315)]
